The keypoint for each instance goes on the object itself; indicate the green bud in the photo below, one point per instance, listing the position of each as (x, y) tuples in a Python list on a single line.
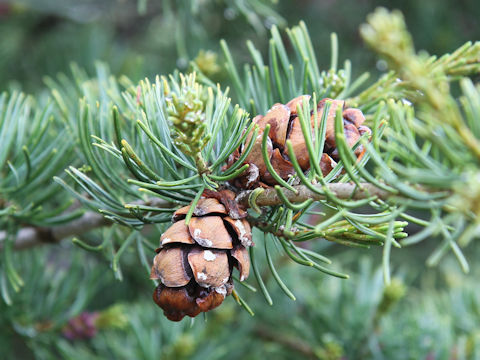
[(206, 61), (112, 317), (392, 293), (387, 33), (334, 80), (466, 196)]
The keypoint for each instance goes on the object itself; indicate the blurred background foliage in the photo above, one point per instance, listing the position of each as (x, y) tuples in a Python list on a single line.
[(137, 40), (74, 310)]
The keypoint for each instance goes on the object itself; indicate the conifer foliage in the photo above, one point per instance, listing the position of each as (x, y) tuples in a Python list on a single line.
[(198, 185)]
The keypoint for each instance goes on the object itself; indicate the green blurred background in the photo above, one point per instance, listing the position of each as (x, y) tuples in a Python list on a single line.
[(425, 314), (42, 37)]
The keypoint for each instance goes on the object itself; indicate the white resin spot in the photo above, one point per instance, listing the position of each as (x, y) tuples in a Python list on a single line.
[(222, 290), (242, 230), (199, 211), (201, 241), (209, 256), (201, 276), (253, 174), (274, 107), (243, 234)]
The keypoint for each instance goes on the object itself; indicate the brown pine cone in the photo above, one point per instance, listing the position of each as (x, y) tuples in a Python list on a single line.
[(194, 263), (285, 124)]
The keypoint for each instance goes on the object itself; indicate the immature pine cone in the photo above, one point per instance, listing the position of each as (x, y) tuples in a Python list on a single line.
[(285, 124), (194, 263)]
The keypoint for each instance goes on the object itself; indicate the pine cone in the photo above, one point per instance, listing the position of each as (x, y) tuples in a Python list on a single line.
[(194, 263), (285, 124)]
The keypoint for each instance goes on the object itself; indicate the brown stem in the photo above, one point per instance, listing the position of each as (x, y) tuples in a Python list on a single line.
[(341, 190), (31, 236), (28, 237)]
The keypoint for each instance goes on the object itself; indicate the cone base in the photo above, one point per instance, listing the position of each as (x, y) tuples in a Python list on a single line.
[(189, 300)]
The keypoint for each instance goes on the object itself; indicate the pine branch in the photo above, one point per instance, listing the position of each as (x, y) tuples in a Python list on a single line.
[(270, 197), (31, 236)]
